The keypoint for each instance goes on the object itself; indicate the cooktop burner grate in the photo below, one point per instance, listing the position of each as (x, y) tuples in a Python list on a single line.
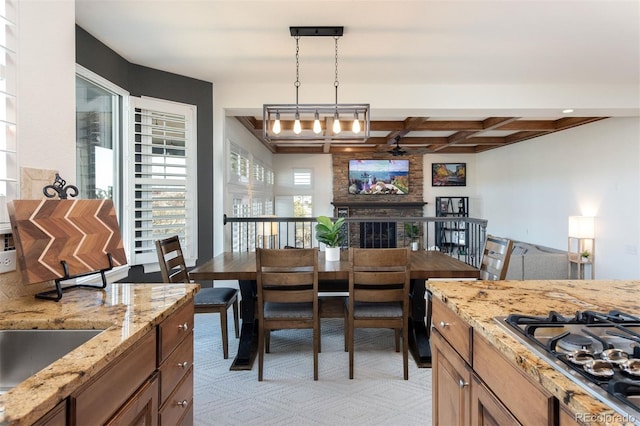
[(598, 351)]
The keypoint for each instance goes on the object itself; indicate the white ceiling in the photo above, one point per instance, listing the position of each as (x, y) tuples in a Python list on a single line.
[(408, 42), (474, 43)]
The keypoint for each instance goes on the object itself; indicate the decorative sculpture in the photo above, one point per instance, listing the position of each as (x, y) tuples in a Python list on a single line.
[(60, 188)]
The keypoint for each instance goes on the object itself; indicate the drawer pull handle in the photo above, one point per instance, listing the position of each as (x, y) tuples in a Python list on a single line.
[(462, 383), (183, 364), (444, 324), (182, 404), (184, 327)]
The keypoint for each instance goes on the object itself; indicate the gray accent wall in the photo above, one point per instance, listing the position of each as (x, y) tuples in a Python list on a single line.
[(143, 81)]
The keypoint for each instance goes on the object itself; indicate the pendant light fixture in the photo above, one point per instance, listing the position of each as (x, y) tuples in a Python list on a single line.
[(315, 122)]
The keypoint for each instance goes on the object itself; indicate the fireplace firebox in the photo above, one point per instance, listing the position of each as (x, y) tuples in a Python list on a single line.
[(378, 235)]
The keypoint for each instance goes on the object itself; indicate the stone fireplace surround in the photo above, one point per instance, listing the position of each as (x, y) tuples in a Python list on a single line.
[(378, 206)]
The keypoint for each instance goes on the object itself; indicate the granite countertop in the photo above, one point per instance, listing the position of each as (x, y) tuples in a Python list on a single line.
[(125, 311), (478, 302)]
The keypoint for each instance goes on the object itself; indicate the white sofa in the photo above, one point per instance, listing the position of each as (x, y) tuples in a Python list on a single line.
[(533, 262)]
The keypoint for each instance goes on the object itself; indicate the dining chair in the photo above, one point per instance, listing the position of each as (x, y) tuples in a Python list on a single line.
[(379, 282), (208, 300), (495, 258), (287, 287)]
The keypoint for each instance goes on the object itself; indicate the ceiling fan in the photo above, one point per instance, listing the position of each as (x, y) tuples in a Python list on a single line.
[(397, 151)]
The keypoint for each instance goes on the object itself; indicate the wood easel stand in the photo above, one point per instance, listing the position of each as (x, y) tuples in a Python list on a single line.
[(59, 289)]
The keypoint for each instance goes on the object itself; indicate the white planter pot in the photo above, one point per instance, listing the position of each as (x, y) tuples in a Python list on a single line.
[(332, 254), (415, 245)]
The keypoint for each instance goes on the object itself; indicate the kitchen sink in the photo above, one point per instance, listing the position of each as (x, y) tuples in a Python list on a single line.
[(25, 352)]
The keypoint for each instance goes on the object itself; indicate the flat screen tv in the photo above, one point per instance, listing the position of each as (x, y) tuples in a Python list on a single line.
[(378, 177)]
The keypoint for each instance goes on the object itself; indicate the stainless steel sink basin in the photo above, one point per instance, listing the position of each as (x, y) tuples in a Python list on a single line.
[(25, 352)]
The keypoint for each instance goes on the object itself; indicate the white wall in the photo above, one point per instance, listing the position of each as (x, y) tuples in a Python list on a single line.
[(528, 190), (46, 86), (321, 167)]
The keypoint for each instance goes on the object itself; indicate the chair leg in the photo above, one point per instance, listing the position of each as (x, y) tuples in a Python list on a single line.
[(316, 348), (346, 332), (260, 351), (236, 322), (225, 336), (405, 352), (351, 347), (267, 340), (397, 333)]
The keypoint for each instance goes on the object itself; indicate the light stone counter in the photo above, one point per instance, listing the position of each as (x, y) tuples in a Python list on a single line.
[(478, 302), (126, 312)]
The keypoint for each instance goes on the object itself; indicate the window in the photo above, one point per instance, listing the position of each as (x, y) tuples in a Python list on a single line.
[(302, 178), (98, 137), (8, 137), (239, 170), (162, 173)]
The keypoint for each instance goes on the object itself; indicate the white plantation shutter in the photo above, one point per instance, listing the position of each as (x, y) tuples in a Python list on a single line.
[(8, 88), (162, 162)]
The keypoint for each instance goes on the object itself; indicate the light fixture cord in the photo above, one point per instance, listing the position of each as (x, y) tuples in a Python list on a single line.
[(336, 83), (297, 83)]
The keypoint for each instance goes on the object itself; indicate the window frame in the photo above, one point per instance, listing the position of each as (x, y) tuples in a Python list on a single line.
[(120, 140)]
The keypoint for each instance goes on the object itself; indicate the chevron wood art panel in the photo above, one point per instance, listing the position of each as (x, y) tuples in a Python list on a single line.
[(77, 232)]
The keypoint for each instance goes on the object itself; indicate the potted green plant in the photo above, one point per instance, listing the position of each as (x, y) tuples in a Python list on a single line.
[(585, 255), (412, 231), (330, 233)]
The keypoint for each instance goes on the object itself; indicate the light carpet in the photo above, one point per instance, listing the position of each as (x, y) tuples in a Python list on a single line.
[(289, 396)]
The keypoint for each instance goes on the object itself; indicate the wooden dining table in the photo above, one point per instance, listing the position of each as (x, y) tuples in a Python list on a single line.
[(333, 277)]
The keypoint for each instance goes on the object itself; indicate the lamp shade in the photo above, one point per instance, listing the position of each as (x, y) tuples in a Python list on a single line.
[(582, 226)]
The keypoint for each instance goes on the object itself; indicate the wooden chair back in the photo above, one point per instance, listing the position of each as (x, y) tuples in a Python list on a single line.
[(379, 275), (495, 259), (289, 277), (172, 265)]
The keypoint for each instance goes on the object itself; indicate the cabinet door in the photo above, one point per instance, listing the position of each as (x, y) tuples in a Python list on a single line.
[(97, 401), (142, 407), (527, 401), (451, 384), (56, 417), (486, 409)]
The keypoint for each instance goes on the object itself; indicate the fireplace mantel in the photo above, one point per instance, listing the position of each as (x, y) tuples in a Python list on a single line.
[(379, 204)]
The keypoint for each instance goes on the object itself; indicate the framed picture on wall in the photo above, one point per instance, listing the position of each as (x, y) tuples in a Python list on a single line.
[(448, 174)]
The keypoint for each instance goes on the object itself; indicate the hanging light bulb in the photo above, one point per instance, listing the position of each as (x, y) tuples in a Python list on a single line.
[(356, 123), (336, 123), (317, 128), (297, 127), (276, 124)]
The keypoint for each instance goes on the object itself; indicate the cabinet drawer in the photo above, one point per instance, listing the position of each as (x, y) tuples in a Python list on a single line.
[(98, 401), (179, 402), (173, 330), (176, 367), (452, 328), (531, 404)]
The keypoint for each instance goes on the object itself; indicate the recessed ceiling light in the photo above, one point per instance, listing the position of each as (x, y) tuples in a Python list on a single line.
[(567, 111)]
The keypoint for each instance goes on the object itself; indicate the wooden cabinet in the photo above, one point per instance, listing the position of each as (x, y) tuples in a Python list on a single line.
[(150, 384), (474, 384), (96, 402), (175, 363), (451, 380), (141, 409), (487, 408), (56, 417)]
